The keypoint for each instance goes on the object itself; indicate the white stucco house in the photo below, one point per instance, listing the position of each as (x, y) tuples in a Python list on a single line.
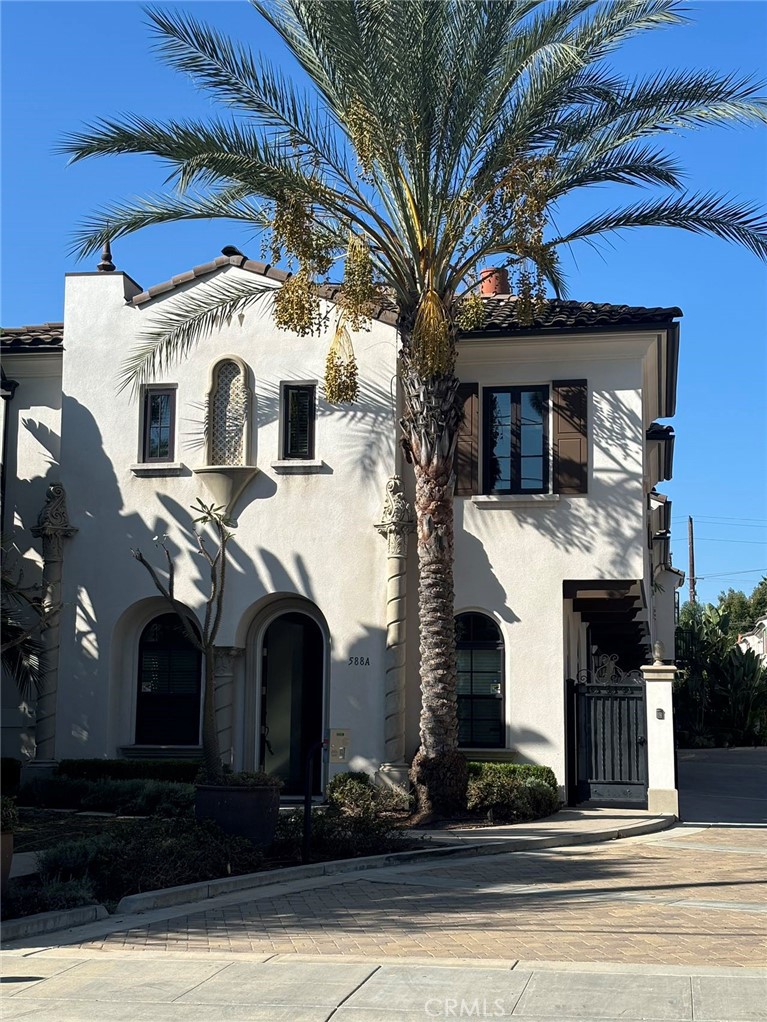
[(756, 639), (562, 574)]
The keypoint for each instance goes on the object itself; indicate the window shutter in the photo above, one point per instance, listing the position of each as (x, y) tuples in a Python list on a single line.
[(571, 458), (467, 449)]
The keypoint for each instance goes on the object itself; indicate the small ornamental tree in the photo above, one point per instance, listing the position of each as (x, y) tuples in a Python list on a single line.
[(435, 138), (204, 640)]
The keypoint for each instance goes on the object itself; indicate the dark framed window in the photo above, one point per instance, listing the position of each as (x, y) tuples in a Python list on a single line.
[(159, 424), (169, 685), (479, 652), (298, 410), (516, 440)]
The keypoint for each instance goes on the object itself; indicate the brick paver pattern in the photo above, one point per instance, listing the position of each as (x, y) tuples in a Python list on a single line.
[(673, 901)]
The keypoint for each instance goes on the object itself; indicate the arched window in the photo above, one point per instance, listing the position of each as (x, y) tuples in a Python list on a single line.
[(479, 649), (169, 685), (228, 414)]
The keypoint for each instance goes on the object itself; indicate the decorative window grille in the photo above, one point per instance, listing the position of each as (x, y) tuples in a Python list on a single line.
[(227, 415)]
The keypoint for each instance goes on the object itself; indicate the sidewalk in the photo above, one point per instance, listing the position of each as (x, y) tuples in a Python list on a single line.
[(155, 987), (592, 929)]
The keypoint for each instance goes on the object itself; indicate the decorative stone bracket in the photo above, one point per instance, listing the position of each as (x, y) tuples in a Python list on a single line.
[(226, 482)]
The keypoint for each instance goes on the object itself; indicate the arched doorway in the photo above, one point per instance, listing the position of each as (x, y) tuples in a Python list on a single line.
[(291, 711)]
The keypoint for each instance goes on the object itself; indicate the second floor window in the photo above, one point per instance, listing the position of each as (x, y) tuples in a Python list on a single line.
[(298, 420), (516, 440), (159, 424)]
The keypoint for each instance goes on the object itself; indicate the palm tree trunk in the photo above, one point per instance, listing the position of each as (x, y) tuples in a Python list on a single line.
[(439, 772)]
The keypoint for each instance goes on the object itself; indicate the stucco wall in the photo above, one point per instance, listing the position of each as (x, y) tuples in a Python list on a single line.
[(34, 429), (310, 535), (512, 558)]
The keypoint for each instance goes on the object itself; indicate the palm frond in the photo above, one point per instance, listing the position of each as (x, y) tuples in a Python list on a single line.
[(179, 323), (739, 222), (118, 219)]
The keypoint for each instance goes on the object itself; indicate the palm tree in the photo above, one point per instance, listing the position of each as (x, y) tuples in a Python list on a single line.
[(435, 137)]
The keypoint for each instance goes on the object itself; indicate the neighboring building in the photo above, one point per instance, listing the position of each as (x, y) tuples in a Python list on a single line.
[(756, 639), (561, 540)]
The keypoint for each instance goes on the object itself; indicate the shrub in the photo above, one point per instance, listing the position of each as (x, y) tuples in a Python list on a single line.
[(149, 855), (245, 779), (9, 816), (127, 797), (182, 771), (540, 797), (512, 793), (140, 798), (335, 835), (29, 895), (354, 794), (523, 770), (53, 792)]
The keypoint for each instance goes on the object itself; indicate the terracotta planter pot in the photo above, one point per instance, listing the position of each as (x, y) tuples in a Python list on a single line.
[(6, 858), (248, 811)]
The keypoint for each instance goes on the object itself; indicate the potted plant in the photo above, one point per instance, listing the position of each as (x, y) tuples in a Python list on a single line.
[(240, 803), (9, 819)]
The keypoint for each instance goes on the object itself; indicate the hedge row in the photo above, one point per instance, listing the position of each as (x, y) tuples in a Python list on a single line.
[(183, 771), (512, 792), (523, 771), (129, 797)]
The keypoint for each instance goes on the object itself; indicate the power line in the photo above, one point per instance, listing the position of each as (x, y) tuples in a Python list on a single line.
[(727, 574), (716, 539)]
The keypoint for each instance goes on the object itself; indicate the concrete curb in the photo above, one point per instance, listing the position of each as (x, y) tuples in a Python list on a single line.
[(189, 893), (48, 922)]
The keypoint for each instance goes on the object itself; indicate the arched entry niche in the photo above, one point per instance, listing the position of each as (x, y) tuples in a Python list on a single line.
[(286, 700)]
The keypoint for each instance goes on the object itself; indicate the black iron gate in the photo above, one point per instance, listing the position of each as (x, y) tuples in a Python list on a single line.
[(608, 729)]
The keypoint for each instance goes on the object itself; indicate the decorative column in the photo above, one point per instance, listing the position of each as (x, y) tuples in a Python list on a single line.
[(53, 527), (397, 522), (223, 674), (662, 794)]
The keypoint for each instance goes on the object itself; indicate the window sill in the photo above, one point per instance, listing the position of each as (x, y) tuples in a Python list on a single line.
[(158, 468), (512, 500), (297, 466)]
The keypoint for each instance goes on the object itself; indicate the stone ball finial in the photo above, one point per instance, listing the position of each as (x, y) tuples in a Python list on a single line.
[(106, 265)]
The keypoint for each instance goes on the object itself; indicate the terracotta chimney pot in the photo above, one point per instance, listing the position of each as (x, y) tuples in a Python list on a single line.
[(494, 281)]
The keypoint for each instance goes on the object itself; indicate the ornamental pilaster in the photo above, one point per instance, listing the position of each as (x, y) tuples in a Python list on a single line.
[(396, 524)]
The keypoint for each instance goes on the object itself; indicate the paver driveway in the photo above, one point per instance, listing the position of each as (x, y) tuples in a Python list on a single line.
[(691, 896)]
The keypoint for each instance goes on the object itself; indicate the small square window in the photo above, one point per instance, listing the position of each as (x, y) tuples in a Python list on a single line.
[(159, 424), (298, 414)]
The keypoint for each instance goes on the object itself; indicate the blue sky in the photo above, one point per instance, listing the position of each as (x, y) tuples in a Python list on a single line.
[(65, 63)]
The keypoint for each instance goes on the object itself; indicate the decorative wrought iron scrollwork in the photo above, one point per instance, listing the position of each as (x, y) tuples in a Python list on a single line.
[(606, 672)]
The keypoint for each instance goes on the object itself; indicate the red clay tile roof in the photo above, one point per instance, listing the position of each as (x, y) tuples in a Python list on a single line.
[(43, 337), (559, 315), (502, 309)]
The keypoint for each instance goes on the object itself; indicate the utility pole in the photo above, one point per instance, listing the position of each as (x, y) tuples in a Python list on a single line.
[(691, 548)]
